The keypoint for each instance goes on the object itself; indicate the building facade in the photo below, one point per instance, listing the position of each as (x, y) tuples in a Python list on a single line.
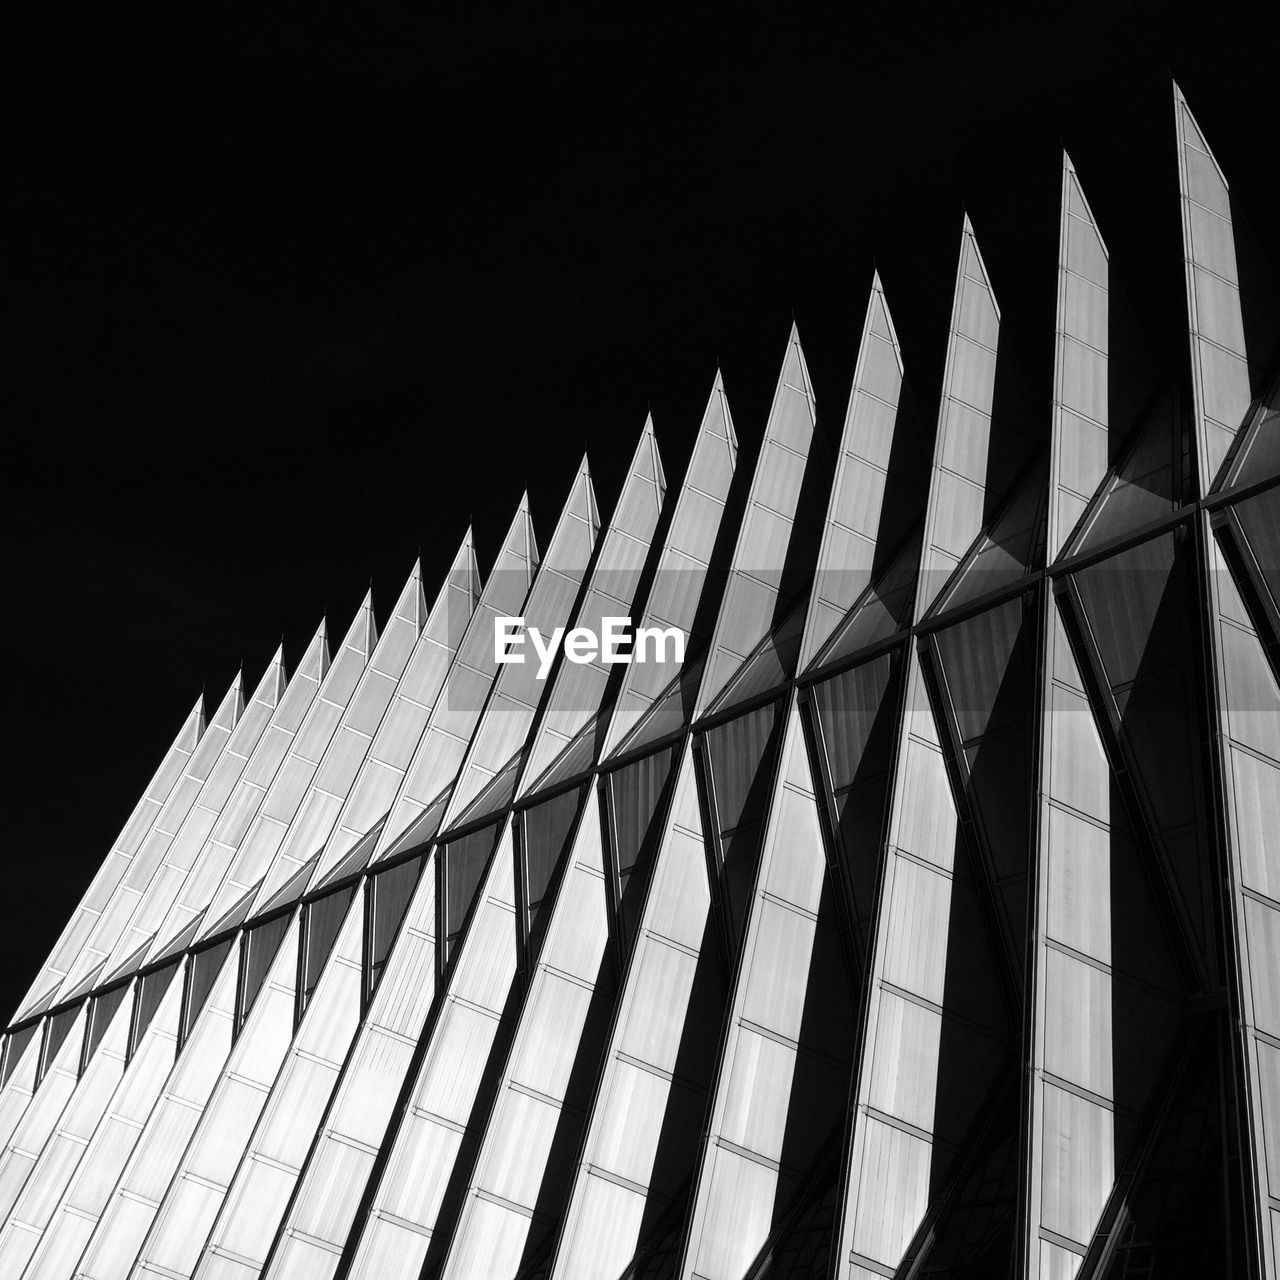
[(920, 917)]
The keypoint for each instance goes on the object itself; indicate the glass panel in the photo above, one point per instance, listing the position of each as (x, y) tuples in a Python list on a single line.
[(1151, 480), (740, 755), (389, 894), (15, 1046), (202, 972), (55, 1032), (1259, 519), (545, 831), (884, 608), (855, 713), (150, 992), (324, 919), (101, 1010), (258, 949), (1258, 457), (771, 664), (635, 821), (1009, 549), (462, 864)]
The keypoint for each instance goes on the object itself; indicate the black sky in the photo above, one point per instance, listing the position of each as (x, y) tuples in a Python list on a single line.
[(288, 297)]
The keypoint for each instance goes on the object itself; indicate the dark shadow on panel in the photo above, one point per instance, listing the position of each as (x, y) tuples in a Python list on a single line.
[(1147, 994), (806, 533), (800, 1246), (1184, 1217), (820, 1085), (1142, 613), (857, 713)]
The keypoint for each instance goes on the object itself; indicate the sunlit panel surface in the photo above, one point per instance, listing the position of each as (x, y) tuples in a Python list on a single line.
[(921, 919)]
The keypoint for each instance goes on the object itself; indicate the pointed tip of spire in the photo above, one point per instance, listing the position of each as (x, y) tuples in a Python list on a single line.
[(1179, 98), (967, 228), (523, 505), (584, 467), (647, 429), (717, 383), (794, 335)]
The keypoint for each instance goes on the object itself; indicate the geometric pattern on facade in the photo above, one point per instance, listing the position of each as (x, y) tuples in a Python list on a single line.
[(922, 919)]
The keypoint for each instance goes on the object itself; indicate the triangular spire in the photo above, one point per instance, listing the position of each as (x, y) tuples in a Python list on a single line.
[(408, 713), (315, 658), (271, 686), (403, 627), (116, 913), (231, 706), (457, 709), (778, 541), (969, 474), (281, 816), (1080, 434), (337, 773), (1219, 363), (680, 582), (517, 690), (192, 898), (866, 517), (363, 634), (192, 727), (464, 573), (519, 551), (579, 688)]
